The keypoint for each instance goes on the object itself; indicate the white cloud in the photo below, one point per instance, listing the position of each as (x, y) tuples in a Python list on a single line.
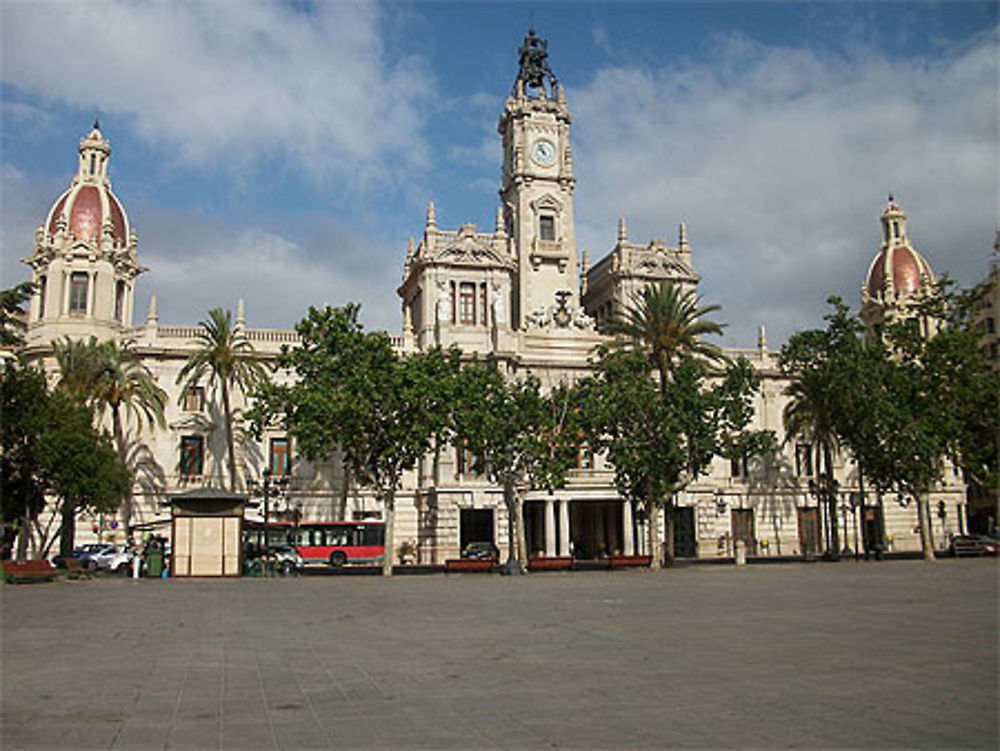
[(780, 160), (231, 83), (197, 264)]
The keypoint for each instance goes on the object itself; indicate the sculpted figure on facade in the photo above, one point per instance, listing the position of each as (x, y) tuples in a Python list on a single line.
[(533, 57), (442, 310), (499, 311)]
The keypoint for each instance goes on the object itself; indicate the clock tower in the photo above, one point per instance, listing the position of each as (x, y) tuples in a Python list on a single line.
[(537, 190)]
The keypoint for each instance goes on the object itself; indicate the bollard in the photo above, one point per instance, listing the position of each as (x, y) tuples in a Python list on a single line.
[(136, 563), (741, 552)]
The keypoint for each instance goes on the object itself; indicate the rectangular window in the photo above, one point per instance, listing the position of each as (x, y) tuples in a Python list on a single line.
[(803, 460), (585, 457), (991, 327), (192, 455), (78, 287), (468, 463), (546, 227), (738, 467), (194, 399), (279, 458), (467, 303)]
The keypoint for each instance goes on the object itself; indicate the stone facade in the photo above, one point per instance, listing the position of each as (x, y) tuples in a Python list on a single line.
[(520, 294)]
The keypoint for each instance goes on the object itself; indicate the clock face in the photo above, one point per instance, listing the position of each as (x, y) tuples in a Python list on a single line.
[(543, 152)]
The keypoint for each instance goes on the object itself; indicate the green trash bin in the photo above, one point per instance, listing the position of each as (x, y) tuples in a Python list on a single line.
[(154, 563)]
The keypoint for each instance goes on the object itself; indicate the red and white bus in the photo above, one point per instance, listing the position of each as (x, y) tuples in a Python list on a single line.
[(338, 543)]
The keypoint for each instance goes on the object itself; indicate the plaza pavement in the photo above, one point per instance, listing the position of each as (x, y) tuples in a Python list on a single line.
[(895, 654)]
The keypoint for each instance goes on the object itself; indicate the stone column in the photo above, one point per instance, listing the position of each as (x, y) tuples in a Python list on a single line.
[(550, 527), (564, 527), (628, 529)]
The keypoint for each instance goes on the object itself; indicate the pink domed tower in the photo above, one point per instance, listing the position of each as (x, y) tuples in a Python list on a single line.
[(84, 260), (898, 275)]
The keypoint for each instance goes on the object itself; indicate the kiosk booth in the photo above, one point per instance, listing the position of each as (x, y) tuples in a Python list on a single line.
[(207, 533)]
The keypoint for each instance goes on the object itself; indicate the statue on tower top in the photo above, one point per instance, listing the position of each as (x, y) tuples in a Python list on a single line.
[(533, 59)]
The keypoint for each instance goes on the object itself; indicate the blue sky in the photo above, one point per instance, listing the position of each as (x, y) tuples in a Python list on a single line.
[(284, 152)]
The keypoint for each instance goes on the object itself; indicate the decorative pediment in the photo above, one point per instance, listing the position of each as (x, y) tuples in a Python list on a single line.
[(547, 202), (469, 248), (656, 260), (661, 264)]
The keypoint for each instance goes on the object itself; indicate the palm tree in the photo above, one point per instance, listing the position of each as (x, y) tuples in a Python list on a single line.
[(809, 416), (78, 361), (125, 385), (226, 357), (667, 323), (109, 375)]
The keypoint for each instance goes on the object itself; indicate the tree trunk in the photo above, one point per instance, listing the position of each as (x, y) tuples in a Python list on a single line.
[(23, 537), (515, 529), (340, 512), (230, 443), (653, 535), (389, 500), (669, 552), (67, 532), (126, 504), (865, 545), (924, 517), (831, 500)]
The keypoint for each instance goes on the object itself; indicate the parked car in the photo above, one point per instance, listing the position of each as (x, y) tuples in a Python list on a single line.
[(973, 545), (481, 551), (83, 553), (287, 558), (113, 558)]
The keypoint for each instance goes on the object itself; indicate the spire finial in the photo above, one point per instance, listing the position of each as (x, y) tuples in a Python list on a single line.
[(622, 230), (241, 314), (682, 237), (97, 124), (431, 216)]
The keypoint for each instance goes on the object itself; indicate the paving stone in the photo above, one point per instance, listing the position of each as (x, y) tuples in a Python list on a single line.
[(886, 655)]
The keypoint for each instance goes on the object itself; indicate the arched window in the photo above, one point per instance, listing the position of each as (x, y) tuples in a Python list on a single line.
[(120, 301)]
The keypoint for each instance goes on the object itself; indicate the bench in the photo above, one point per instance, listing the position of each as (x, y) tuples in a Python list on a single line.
[(469, 564), (550, 563), (77, 569), (630, 561), (28, 571)]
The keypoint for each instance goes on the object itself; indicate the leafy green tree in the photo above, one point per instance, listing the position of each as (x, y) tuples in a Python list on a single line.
[(521, 438), (51, 447), (903, 402), (24, 402), (353, 392), (658, 441), (225, 359), (81, 467), (12, 302), (666, 324), (948, 396)]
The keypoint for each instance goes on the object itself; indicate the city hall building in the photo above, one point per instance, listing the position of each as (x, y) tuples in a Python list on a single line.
[(519, 292)]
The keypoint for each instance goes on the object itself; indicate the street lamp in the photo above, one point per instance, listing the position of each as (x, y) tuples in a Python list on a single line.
[(270, 481)]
